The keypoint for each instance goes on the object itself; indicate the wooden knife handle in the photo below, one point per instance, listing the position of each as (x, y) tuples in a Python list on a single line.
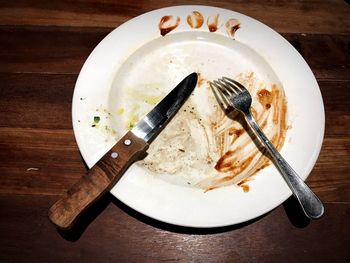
[(97, 181)]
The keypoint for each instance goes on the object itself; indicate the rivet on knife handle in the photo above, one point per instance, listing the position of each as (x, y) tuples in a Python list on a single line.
[(100, 179)]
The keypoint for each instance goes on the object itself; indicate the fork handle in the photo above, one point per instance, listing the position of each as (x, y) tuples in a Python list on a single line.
[(311, 205)]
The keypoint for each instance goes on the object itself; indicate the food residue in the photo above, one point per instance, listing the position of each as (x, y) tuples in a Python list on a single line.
[(96, 119), (240, 157), (201, 80), (132, 120), (146, 99), (100, 122), (232, 25), (32, 169), (168, 23), (120, 111), (212, 22), (244, 186), (214, 148), (195, 19)]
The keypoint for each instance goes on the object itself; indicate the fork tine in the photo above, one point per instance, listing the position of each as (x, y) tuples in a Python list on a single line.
[(238, 85), (222, 88), (218, 93), (228, 86)]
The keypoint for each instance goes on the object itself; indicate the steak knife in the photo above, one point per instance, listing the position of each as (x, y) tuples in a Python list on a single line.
[(130, 148)]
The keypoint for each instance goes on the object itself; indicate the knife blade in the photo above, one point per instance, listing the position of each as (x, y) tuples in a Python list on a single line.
[(130, 148)]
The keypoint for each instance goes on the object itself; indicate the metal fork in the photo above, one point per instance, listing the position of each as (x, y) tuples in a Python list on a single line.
[(237, 96)]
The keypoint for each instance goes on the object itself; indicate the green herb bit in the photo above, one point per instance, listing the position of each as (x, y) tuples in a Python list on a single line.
[(96, 119), (121, 111)]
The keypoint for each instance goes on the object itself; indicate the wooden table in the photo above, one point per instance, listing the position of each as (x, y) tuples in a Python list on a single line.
[(43, 45)]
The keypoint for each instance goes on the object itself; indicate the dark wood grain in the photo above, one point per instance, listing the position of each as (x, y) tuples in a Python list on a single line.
[(36, 100), (38, 161), (327, 55), (43, 45), (115, 235), (64, 50), (285, 16), (46, 49)]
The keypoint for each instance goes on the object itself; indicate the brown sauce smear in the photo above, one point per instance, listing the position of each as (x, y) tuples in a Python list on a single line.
[(232, 25), (220, 164), (228, 164), (201, 80), (236, 132), (168, 23), (212, 22), (244, 186), (195, 19), (234, 160), (265, 97)]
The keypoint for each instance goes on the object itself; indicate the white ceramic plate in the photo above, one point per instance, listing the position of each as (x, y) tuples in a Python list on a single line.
[(136, 54)]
